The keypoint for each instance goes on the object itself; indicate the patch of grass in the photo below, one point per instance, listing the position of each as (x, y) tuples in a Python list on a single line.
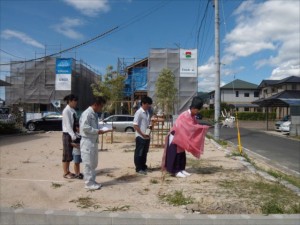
[(128, 150), (222, 142), (17, 205), (85, 202), (153, 181), (272, 207), (272, 197), (243, 154), (209, 136), (127, 177), (203, 167), (56, 185), (177, 198), (289, 178), (118, 208)]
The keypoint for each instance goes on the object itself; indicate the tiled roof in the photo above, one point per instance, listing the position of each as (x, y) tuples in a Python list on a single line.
[(240, 84)]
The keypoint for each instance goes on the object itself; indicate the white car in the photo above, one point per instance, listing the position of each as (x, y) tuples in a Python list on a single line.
[(285, 126), (119, 123)]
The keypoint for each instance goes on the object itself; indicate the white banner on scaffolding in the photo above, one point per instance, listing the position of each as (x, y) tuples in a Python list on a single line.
[(63, 74), (188, 62)]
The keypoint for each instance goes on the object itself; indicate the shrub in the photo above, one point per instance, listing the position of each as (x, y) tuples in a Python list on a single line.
[(255, 116), (8, 128)]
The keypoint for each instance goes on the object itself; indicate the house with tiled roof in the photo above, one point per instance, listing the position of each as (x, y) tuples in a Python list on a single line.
[(279, 95), (239, 94)]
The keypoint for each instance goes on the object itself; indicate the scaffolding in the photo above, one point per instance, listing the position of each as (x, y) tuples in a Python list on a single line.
[(33, 84), (170, 58)]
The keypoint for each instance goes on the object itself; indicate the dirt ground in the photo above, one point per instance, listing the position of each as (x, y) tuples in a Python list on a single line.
[(31, 177)]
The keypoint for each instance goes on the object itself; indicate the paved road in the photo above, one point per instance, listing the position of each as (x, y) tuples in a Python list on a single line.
[(281, 150)]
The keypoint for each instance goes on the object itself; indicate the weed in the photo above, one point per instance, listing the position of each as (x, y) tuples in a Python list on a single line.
[(56, 185), (275, 197), (128, 150), (17, 205), (291, 179), (127, 177), (154, 181), (272, 207), (177, 198), (85, 202), (222, 142), (118, 208), (146, 189)]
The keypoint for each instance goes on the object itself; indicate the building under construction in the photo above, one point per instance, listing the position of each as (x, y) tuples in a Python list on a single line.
[(183, 64), (33, 85)]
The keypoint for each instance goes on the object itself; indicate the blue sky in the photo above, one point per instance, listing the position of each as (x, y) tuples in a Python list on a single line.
[(259, 39)]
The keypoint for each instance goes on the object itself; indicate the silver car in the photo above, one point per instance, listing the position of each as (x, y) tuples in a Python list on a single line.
[(119, 123)]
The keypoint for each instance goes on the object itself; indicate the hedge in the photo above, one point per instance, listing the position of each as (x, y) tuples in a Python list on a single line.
[(209, 113), (8, 128)]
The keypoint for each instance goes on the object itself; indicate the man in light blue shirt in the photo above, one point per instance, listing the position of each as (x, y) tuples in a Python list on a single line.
[(89, 131), (141, 124)]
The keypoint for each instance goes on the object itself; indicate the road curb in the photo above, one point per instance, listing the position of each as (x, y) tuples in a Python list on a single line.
[(11, 216)]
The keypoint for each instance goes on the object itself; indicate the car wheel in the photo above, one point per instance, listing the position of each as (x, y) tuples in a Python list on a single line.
[(31, 126), (129, 129)]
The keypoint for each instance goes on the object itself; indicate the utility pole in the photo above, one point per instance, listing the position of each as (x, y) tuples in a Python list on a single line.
[(217, 65)]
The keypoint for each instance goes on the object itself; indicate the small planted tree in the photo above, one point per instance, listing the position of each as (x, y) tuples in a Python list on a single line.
[(111, 88), (166, 91)]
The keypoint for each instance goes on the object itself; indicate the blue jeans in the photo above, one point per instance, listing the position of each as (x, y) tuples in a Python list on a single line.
[(140, 153)]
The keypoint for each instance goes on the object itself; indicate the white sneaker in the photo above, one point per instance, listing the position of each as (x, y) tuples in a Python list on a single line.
[(185, 173), (181, 175), (98, 184), (93, 186)]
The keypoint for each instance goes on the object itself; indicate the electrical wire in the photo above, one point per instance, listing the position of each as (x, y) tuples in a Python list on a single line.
[(11, 54), (122, 26), (201, 23)]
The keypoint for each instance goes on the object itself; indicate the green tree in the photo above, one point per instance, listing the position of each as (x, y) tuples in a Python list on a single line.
[(111, 88), (166, 91)]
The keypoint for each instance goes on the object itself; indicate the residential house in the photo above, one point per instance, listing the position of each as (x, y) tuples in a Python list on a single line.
[(279, 95), (238, 94)]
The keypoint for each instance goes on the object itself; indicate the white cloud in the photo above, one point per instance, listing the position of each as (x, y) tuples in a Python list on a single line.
[(89, 7), (9, 34), (207, 77), (269, 25), (67, 28), (284, 71)]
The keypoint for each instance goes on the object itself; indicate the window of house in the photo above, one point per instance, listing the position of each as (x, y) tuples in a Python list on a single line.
[(236, 93), (256, 94), (246, 94), (294, 87), (246, 109)]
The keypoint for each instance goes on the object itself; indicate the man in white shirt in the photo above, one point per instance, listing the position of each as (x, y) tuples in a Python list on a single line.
[(141, 124), (89, 131), (68, 121)]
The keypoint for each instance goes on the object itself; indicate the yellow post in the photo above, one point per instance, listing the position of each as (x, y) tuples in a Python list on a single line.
[(238, 130)]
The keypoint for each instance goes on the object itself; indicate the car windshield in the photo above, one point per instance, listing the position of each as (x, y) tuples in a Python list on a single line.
[(52, 116), (118, 119)]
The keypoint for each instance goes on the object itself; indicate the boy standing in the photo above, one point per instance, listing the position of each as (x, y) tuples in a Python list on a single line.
[(141, 123), (76, 152)]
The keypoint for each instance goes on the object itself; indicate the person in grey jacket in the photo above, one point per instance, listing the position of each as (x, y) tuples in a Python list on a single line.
[(89, 131)]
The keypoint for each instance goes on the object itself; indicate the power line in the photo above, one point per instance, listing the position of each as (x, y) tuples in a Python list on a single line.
[(201, 23), (65, 50), (115, 29), (11, 54)]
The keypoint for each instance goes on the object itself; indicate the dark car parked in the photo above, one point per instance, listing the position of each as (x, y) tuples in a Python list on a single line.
[(47, 123)]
